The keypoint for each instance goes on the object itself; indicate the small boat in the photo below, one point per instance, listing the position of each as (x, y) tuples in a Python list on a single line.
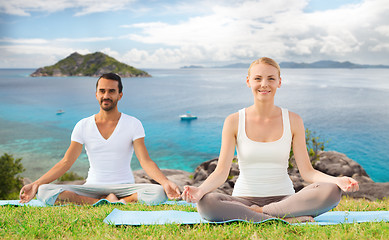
[(60, 112), (188, 116)]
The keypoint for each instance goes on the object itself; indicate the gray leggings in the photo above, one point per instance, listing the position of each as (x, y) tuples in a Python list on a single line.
[(312, 200), (147, 193)]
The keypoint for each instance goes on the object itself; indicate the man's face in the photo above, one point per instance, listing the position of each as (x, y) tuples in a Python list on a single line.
[(107, 93)]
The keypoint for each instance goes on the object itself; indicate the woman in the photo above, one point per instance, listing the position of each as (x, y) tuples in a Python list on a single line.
[(263, 135)]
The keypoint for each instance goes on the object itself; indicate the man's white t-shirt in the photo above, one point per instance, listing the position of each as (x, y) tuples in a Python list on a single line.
[(109, 159)]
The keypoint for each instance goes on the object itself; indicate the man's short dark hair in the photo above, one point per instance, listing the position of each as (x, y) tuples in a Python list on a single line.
[(114, 77)]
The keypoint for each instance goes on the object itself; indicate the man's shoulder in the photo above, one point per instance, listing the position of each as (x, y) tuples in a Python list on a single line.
[(87, 120), (129, 118)]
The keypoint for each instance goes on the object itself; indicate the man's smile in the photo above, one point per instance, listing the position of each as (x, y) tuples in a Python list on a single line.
[(106, 101)]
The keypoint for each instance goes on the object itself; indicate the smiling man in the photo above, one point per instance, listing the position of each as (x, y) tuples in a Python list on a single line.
[(110, 138)]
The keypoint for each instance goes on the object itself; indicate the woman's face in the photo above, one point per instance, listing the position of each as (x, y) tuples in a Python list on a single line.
[(263, 80)]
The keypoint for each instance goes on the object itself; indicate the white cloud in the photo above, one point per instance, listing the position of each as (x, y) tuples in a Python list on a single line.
[(340, 44), (384, 30), (222, 32), (84, 40), (24, 41), (58, 40), (273, 28), (111, 53), (25, 7), (28, 56), (380, 47)]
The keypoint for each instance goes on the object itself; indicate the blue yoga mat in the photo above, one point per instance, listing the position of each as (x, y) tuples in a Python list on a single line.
[(37, 203), (136, 218), (32, 203)]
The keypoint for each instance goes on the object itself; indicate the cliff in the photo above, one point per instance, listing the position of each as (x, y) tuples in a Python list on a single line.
[(332, 163), (94, 65)]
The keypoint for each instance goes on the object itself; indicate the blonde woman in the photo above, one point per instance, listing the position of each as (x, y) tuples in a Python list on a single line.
[(263, 135)]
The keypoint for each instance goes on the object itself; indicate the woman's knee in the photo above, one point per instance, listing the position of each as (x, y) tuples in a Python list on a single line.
[(209, 206), (208, 199), (330, 191)]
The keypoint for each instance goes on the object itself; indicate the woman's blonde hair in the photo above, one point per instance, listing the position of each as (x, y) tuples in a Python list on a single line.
[(268, 61)]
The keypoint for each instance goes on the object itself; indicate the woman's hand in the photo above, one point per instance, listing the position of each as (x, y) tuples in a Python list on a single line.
[(192, 194), (347, 184)]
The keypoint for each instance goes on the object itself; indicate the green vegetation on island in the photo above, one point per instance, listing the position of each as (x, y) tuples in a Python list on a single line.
[(94, 65), (10, 181), (70, 176)]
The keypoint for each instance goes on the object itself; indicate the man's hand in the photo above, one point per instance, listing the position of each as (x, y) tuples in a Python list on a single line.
[(28, 192), (347, 184), (171, 189), (192, 194)]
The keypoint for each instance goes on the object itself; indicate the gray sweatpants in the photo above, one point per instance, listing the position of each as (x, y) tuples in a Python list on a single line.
[(312, 200), (151, 194)]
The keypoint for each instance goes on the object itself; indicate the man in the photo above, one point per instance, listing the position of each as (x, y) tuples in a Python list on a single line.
[(110, 137)]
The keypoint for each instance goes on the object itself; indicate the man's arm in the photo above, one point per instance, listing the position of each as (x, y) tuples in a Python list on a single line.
[(151, 168), (28, 191)]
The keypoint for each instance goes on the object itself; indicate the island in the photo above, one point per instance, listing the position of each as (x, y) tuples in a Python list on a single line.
[(93, 65), (318, 64), (192, 66)]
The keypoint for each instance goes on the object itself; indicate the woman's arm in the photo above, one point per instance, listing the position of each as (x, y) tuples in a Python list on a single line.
[(220, 174), (308, 173)]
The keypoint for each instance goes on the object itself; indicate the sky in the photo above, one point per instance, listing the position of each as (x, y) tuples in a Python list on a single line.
[(172, 34)]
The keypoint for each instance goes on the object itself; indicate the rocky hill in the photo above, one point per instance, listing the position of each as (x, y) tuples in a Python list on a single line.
[(332, 163), (318, 64), (328, 64), (94, 65)]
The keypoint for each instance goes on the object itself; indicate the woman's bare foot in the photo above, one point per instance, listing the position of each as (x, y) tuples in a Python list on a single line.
[(123, 201), (112, 198), (300, 219), (256, 208)]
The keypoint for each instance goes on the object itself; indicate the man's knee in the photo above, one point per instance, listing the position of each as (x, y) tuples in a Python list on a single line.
[(48, 193), (153, 194)]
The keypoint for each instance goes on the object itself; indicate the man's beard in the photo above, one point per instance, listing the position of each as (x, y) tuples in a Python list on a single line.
[(110, 107)]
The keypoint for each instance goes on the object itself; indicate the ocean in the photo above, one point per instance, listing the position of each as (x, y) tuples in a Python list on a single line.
[(349, 108)]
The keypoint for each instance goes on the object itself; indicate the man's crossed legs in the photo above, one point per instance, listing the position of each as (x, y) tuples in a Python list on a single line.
[(89, 193)]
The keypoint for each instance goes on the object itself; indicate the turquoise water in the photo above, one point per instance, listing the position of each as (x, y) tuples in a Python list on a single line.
[(349, 108)]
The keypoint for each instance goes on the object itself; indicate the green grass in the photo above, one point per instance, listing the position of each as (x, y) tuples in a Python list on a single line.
[(86, 222)]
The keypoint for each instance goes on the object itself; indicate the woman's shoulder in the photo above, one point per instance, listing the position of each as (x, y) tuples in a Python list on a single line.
[(294, 116), (295, 120), (232, 121), (233, 117)]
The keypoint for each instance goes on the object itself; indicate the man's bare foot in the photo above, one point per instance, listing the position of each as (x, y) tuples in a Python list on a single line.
[(256, 208), (300, 219), (112, 198), (123, 201)]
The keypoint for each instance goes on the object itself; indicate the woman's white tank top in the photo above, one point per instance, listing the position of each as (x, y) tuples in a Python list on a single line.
[(263, 165)]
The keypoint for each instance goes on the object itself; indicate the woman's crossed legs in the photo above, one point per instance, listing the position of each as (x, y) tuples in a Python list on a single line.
[(311, 201)]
